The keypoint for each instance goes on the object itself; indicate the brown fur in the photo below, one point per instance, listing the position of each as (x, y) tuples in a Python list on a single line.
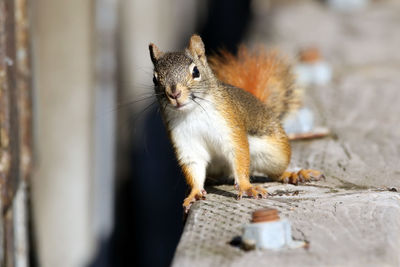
[(268, 96), (195, 192), (239, 141), (301, 176), (281, 158), (188, 175), (246, 115)]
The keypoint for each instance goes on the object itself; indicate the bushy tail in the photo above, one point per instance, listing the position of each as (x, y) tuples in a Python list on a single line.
[(264, 74)]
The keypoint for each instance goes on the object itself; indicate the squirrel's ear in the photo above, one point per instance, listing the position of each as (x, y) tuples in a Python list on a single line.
[(155, 53), (196, 47)]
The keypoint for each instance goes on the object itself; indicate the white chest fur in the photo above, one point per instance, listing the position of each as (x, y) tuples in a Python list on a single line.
[(200, 135), (199, 132)]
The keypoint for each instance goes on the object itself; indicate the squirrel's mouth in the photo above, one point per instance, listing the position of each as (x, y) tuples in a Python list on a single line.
[(179, 105), (179, 97)]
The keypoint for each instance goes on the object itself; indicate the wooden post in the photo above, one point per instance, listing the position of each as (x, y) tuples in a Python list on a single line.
[(15, 130)]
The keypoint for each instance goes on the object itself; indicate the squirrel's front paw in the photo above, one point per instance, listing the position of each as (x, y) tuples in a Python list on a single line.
[(193, 196), (301, 176), (252, 191)]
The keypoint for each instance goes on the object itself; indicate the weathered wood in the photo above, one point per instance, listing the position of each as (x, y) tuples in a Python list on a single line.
[(9, 175), (15, 130), (24, 86), (353, 217), (9, 169)]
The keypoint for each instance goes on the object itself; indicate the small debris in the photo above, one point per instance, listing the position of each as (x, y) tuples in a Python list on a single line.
[(248, 244), (317, 132), (236, 241), (284, 193), (306, 245), (244, 244)]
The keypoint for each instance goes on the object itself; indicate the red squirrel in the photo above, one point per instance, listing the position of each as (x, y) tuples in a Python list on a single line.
[(223, 116)]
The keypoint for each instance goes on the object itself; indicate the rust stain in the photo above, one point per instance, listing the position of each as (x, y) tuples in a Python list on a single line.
[(24, 86), (4, 140), (4, 162), (4, 114), (15, 98), (15, 115)]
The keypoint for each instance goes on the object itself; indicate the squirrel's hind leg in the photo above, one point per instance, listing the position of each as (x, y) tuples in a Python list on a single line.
[(241, 169), (301, 176), (270, 156)]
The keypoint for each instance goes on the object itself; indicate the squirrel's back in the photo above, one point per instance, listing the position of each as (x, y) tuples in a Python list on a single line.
[(264, 74)]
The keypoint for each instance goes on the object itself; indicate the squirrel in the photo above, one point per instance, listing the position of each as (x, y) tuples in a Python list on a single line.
[(223, 116)]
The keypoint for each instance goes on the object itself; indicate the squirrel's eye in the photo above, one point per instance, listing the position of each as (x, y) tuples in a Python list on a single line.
[(195, 72)]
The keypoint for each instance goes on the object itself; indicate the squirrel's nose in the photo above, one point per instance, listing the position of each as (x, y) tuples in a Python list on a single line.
[(175, 95)]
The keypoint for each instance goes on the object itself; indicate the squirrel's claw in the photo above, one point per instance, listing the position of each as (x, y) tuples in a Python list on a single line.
[(301, 176), (186, 207), (236, 186), (253, 192), (193, 196)]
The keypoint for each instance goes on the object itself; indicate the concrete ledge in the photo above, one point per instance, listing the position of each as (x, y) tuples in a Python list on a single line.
[(345, 227)]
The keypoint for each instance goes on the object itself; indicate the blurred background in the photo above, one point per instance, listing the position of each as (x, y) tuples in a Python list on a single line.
[(87, 174)]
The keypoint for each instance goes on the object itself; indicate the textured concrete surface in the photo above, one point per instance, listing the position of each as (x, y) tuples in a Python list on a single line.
[(345, 227), (353, 217)]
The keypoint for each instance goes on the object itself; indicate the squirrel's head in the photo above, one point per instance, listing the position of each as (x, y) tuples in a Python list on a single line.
[(180, 78)]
